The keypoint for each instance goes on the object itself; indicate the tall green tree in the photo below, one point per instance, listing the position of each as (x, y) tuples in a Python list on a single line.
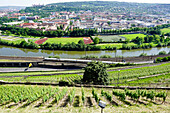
[(95, 73), (96, 40)]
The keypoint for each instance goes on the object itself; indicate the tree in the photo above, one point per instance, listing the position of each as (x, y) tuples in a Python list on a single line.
[(96, 73), (96, 40)]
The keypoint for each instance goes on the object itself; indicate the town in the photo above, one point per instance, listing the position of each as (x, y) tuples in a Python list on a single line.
[(84, 57), (65, 20)]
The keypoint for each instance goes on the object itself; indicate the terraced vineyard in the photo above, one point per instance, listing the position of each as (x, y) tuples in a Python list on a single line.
[(62, 99), (71, 78), (124, 76), (131, 74)]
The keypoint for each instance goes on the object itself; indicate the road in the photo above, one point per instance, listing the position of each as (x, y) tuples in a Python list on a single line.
[(87, 61), (30, 69)]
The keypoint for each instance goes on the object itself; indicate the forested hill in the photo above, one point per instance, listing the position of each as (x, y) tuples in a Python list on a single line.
[(116, 7)]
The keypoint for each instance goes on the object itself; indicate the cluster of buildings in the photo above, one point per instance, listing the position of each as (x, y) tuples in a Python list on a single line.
[(89, 20)]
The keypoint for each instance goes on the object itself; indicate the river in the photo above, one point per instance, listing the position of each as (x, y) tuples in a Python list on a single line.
[(13, 51)]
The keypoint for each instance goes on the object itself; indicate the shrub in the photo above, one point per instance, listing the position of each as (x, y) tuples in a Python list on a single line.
[(96, 40), (162, 59), (143, 54), (162, 53), (106, 56), (54, 57), (90, 56)]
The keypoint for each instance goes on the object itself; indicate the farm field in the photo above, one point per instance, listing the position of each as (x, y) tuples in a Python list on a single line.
[(63, 40), (165, 30), (16, 98)]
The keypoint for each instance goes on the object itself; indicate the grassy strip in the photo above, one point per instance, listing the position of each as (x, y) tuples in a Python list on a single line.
[(6, 60)]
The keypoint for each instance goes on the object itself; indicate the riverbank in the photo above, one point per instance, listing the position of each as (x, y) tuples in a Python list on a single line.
[(22, 52)]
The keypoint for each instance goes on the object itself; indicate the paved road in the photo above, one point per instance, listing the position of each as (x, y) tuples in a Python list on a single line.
[(30, 69), (87, 61)]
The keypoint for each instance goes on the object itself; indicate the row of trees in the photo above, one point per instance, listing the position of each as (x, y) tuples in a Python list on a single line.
[(69, 46), (23, 44), (151, 31), (57, 33), (78, 32)]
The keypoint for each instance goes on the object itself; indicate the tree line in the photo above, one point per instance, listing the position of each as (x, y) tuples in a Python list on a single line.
[(76, 32), (57, 33)]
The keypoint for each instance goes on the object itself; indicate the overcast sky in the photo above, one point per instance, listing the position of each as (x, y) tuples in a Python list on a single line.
[(30, 2)]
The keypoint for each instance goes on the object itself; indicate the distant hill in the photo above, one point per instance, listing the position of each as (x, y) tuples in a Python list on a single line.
[(12, 7), (112, 6)]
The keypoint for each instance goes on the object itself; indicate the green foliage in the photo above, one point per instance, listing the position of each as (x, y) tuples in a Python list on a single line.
[(106, 56), (107, 95), (143, 54), (54, 57), (121, 65), (162, 53), (90, 56), (162, 59), (121, 95), (96, 40), (83, 96), (95, 96), (60, 95), (96, 73), (71, 95)]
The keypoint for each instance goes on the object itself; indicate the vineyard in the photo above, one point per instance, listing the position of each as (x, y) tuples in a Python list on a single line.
[(141, 76), (133, 74), (21, 97)]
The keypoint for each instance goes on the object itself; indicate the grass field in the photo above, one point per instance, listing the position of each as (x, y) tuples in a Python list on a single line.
[(63, 40), (110, 38), (132, 36), (45, 99), (165, 30)]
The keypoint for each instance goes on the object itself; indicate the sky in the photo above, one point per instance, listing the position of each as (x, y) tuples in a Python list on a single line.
[(30, 2)]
